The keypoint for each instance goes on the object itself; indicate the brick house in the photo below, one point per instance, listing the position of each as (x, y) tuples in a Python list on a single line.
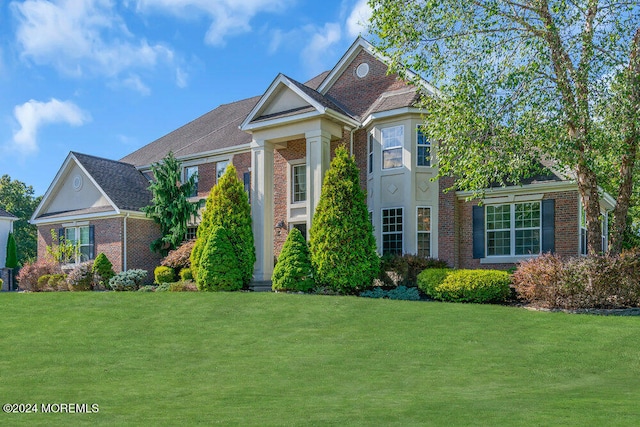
[(281, 144), (6, 227)]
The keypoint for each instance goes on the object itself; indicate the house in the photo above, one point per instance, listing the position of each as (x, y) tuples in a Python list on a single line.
[(281, 144), (6, 227)]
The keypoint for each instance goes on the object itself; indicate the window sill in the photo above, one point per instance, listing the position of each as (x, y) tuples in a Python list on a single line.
[(507, 259)]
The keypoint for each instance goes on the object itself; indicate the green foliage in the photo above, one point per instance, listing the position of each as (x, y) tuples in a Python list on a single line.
[(183, 287), (81, 277), (477, 286), (430, 279), (17, 198), (31, 271), (170, 206), (342, 245), (12, 252), (164, 274), (293, 272), (52, 282), (400, 293), (165, 287), (129, 280), (406, 268), (518, 82), (227, 206), (185, 274), (219, 266), (147, 288), (593, 281), (61, 250), (103, 270)]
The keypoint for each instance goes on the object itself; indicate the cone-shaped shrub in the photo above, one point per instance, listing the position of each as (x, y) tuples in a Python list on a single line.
[(103, 269), (227, 206), (343, 248), (293, 272), (219, 269)]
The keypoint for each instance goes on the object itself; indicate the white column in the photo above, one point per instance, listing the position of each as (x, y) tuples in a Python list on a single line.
[(318, 160), (262, 207)]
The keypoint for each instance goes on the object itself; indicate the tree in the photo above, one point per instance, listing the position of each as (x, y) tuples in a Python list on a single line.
[(342, 245), (12, 252), (227, 206), (170, 206), (520, 81), (219, 267), (17, 198), (293, 272)]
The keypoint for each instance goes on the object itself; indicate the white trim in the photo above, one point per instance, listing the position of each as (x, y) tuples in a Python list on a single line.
[(396, 147), (430, 229), (507, 259), (390, 113), (92, 216), (205, 157), (544, 187)]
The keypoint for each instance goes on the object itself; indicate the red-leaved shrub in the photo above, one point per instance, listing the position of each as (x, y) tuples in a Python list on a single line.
[(179, 257), (30, 273), (593, 281)]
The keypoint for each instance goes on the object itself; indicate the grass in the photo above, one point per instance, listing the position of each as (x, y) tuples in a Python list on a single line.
[(278, 359)]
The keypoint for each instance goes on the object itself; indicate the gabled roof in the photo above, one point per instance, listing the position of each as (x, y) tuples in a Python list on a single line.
[(123, 187), (122, 183), (216, 129), (6, 215), (310, 103)]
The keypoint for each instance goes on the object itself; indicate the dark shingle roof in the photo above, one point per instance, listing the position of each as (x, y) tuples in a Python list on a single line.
[(126, 186), (392, 100), (214, 130), (5, 214)]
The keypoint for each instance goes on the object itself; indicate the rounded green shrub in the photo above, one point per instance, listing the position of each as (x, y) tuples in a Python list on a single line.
[(186, 274), (478, 286), (342, 245), (219, 268), (103, 270), (430, 279), (164, 274), (129, 280), (293, 272)]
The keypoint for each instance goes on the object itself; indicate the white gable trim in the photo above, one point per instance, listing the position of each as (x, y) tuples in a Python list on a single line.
[(55, 184), (280, 80)]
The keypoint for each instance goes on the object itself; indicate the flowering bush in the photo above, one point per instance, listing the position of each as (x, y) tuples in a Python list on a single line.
[(81, 277)]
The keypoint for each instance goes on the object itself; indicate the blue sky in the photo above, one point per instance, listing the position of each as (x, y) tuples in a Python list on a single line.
[(105, 77)]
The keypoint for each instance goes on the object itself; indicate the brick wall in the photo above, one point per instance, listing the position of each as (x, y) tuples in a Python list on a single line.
[(566, 229), (140, 233), (357, 94), (447, 223)]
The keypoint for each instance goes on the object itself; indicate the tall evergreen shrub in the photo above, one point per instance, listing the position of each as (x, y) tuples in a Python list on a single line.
[(219, 269), (293, 272), (227, 206), (343, 248), (12, 252)]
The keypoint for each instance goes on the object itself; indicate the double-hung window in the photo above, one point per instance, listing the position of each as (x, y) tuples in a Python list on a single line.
[(82, 240), (513, 229), (298, 183), (604, 224), (188, 173), (220, 168), (392, 231), (370, 153), (392, 142), (424, 232), (423, 149)]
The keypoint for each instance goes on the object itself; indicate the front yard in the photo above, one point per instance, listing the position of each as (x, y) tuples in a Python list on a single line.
[(281, 359)]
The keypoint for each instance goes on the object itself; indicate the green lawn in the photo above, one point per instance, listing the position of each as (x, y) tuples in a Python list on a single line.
[(273, 359)]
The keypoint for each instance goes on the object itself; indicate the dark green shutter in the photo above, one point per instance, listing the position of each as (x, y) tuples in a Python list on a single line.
[(548, 225), (478, 232), (92, 244)]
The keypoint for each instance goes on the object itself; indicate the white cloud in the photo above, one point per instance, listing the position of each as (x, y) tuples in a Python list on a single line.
[(32, 115), (358, 20), (182, 78), (134, 82), (322, 39), (80, 37), (229, 17)]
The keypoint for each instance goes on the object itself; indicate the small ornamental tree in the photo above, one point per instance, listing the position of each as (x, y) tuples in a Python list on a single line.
[(293, 272), (219, 269), (12, 252), (170, 207), (102, 270), (343, 248), (227, 206)]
